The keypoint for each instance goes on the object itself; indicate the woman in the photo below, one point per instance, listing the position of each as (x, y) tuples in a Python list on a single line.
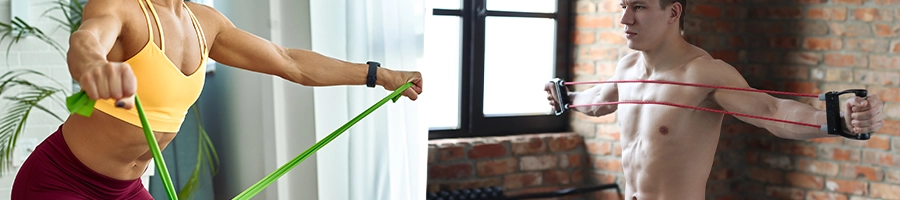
[(158, 49)]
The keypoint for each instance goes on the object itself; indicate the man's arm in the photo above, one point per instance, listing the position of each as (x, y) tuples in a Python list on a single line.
[(238, 48), (865, 118), (603, 92), (597, 94)]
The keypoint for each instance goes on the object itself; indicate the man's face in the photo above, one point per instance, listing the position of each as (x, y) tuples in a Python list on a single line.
[(645, 23)]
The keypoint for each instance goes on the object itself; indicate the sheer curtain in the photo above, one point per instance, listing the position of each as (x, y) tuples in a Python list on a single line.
[(384, 156)]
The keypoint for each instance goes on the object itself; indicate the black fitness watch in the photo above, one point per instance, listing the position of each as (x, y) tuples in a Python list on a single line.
[(373, 73)]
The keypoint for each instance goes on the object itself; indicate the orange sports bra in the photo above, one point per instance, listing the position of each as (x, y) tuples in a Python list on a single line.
[(166, 93)]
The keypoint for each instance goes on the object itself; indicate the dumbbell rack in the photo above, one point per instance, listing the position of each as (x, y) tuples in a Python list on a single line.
[(496, 193)]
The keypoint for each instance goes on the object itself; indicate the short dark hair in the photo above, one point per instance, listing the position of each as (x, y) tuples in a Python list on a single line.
[(664, 3)]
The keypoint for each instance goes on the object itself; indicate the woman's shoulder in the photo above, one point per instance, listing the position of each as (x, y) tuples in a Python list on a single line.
[(103, 8), (209, 17), (205, 13)]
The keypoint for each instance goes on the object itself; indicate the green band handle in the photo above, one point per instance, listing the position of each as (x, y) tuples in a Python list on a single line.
[(266, 181), (81, 104)]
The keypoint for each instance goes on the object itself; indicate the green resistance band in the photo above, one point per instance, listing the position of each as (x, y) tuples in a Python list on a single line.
[(266, 181), (81, 104)]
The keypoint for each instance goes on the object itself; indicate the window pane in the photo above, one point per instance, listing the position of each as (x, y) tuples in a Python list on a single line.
[(519, 59), (543, 6), (442, 54), (445, 4)]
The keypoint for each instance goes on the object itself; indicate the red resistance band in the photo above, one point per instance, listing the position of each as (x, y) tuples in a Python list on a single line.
[(832, 100)]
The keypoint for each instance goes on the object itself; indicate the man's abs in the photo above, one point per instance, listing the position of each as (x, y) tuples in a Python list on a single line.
[(110, 146), (667, 152)]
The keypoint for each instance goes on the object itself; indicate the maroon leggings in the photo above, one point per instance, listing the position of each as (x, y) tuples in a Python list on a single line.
[(53, 172)]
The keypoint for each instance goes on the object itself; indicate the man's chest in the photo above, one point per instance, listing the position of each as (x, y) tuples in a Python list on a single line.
[(664, 93), (663, 109)]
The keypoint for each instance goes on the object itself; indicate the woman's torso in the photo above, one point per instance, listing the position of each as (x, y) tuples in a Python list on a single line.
[(113, 147)]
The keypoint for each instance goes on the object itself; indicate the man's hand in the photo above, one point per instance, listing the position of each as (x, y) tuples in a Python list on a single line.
[(403, 77), (866, 114), (113, 80), (551, 95)]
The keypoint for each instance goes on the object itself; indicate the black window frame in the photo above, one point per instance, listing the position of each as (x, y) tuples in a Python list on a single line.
[(473, 123)]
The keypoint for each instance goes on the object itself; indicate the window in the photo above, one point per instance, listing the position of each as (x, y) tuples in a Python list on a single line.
[(493, 58)]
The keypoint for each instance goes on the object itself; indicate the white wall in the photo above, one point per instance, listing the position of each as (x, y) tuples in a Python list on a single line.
[(36, 55)]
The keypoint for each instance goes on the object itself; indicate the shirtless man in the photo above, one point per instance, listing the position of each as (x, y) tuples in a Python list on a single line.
[(667, 152), (158, 49)]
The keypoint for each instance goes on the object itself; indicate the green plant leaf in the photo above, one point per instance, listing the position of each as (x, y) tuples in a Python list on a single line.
[(22, 103), (13, 122), (9, 124), (211, 156), (71, 10), (205, 149), (15, 77), (21, 29), (42, 108), (209, 149)]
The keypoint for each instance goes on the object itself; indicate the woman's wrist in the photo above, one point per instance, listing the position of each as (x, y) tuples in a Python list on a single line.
[(384, 76)]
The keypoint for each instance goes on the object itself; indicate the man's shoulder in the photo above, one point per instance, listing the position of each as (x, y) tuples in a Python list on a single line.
[(629, 59), (712, 70), (705, 61)]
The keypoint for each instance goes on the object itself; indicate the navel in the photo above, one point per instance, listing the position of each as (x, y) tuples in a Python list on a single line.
[(663, 130)]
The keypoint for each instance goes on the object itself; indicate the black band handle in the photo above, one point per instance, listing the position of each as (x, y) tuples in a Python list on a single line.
[(562, 97), (835, 124)]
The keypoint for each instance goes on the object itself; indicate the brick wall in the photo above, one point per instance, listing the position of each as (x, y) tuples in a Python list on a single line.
[(726, 31), (518, 164), (811, 47), (805, 46), (598, 44)]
